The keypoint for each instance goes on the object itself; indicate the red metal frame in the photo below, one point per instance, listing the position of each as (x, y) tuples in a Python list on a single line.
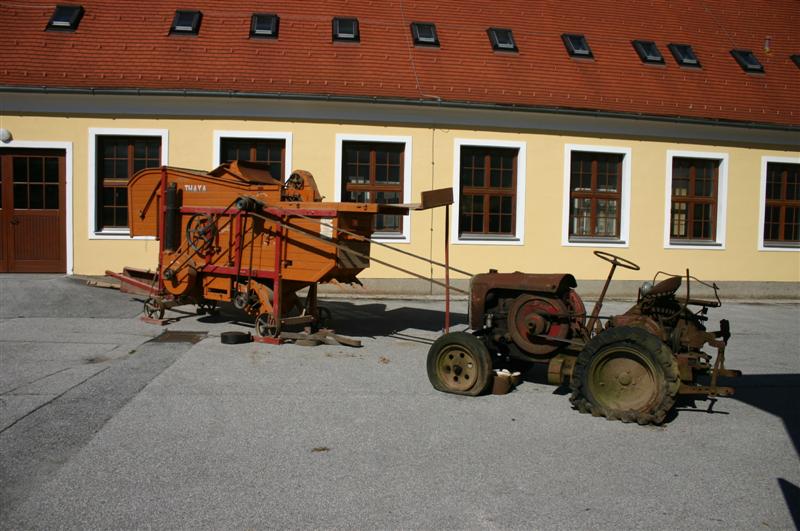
[(162, 214)]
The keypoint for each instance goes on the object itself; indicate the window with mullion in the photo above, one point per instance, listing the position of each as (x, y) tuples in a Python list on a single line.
[(372, 172), (781, 223), (694, 199), (273, 152), (118, 159), (595, 195), (488, 179)]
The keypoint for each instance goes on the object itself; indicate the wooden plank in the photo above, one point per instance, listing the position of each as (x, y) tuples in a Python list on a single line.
[(436, 198)]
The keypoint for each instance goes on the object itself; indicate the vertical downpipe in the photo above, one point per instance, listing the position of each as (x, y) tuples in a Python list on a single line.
[(171, 218)]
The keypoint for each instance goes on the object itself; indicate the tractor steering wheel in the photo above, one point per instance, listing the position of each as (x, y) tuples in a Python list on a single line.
[(616, 260)]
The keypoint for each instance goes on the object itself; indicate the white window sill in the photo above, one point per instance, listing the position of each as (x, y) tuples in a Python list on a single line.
[(487, 240), (390, 238), (119, 234), (786, 247), (595, 242), (698, 245)]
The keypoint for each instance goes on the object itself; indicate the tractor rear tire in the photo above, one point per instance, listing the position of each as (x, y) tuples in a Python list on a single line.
[(626, 374), (459, 363)]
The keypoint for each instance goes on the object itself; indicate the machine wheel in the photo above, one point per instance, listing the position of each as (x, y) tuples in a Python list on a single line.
[(266, 326), (531, 316), (459, 363), (153, 308), (625, 374)]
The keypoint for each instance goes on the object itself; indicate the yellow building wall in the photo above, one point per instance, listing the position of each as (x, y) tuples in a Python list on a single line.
[(314, 149)]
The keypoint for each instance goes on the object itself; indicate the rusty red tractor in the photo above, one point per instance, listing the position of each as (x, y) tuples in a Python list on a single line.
[(629, 368)]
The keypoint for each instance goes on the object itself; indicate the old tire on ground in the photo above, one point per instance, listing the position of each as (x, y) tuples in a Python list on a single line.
[(459, 363), (626, 374), (235, 338)]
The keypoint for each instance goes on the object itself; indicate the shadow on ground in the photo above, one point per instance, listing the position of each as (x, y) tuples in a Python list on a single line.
[(375, 319), (349, 319), (774, 393), (791, 493)]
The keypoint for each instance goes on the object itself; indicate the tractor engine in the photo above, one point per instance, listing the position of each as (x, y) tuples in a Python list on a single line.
[(527, 316)]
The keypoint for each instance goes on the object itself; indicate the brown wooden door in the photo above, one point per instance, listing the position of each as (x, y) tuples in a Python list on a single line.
[(33, 235)]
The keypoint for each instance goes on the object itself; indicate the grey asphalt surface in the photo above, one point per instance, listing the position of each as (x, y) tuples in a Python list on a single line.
[(103, 428)]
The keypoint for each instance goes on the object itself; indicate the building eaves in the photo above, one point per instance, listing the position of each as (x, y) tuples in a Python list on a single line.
[(422, 102)]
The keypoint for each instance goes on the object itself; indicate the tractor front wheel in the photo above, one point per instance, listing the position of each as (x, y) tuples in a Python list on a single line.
[(625, 374), (459, 363)]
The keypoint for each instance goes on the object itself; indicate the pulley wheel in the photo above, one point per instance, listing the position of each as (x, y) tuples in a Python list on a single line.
[(200, 232), (576, 308), (533, 319)]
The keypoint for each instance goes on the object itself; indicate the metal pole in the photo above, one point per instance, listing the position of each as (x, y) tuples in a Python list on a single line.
[(446, 269), (599, 304)]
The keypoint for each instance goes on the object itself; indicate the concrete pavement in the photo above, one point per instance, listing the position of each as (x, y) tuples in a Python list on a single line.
[(104, 428)]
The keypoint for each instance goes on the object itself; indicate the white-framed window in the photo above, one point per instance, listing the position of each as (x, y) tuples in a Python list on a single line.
[(779, 204), (274, 148), (115, 154), (597, 196), (376, 169), (488, 192), (696, 200)]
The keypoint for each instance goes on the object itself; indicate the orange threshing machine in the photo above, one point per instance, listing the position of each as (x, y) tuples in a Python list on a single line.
[(236, 234)]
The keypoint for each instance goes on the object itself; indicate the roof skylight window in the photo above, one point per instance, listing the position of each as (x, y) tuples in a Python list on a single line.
[(684, 55), (577, 45), (648, 52), (795, 59), (747, 60), (186, 22), (424, 34), (65, 18), (502, 39), (345, 29), (264, 26)]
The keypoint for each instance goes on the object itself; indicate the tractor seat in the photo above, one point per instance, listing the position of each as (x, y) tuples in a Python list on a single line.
[(666, 287)]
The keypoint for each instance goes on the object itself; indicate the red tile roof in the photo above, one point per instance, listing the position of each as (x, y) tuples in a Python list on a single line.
[(126, 45)]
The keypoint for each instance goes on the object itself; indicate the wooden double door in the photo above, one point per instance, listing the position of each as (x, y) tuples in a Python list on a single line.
[(33, 235)]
